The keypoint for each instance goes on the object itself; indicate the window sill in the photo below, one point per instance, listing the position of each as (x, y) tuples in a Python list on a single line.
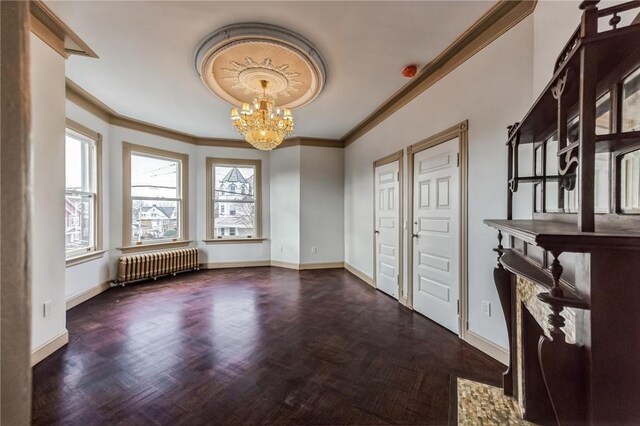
[(87, 257), (233, 240), (154, 246)]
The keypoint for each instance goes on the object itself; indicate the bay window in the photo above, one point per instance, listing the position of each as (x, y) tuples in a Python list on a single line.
[(233, 200), (155, 184), (82, 182)]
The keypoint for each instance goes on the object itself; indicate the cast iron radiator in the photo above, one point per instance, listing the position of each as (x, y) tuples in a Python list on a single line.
[(153, 265)]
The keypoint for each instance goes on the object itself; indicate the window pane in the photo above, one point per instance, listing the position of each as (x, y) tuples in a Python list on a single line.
[(573, 130), (154, 177), (77, 164), (630, 182), (603, 114), (234, 201), (154, 220), (537, 189), (552, 202), (631, 102), (234, 183), (571, 200), (602, 180), (552, 157), (538, 160), (78, 222)]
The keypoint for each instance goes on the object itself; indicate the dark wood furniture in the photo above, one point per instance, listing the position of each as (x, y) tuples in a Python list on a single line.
[(581, 118)]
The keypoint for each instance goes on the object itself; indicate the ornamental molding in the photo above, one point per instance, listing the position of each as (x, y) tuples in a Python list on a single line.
[(232, 60)]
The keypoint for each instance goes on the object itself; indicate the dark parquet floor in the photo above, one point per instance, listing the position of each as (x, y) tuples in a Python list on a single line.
[(252, 346)]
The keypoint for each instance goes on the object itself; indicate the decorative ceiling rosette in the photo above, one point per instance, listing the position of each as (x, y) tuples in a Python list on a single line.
[(233, 61)]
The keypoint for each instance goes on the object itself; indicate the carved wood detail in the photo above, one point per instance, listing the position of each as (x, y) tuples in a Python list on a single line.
[(563, 365), (503, 280), (595, 380), (564, 371)]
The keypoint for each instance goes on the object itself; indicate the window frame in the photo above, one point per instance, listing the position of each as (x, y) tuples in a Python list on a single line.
[(129, 149), (95, 139), (211, 162)]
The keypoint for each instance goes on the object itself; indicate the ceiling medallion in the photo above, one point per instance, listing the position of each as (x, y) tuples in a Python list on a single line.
[(253, 66)]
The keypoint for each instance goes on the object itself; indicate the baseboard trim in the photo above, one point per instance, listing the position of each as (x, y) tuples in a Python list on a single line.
[(358, 273), (276, 263), (488, 347), (324, 265), (46, 349), (242, 264), (87, 294), (288, 265)]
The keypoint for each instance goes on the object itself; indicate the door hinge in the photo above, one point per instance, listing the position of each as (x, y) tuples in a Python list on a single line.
[(458, 163), (458, 306), (398, 176)]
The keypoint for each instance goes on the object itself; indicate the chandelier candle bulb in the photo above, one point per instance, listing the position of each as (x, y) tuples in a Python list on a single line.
[(261, 127), (265, 71)]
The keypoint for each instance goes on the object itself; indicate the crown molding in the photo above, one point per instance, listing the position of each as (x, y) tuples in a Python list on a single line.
[(504, 15), (93, 105), (47, 26)]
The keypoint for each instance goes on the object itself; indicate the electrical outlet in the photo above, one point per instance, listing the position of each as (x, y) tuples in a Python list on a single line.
[(314, 250), (486, 308), (47, 308)]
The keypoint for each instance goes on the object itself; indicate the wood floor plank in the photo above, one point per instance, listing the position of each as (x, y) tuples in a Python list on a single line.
[(252, 346)]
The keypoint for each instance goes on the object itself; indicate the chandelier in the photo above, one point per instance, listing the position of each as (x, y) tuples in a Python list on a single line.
[(263, 124)]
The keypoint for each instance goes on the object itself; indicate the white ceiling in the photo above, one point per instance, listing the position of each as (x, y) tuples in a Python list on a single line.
[(145, 70)]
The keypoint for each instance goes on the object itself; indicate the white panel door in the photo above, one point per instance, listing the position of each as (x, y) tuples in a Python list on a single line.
[(436, 220), (387, 222)]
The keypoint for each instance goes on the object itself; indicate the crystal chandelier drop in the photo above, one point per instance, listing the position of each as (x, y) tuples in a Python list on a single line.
[(262, 124)]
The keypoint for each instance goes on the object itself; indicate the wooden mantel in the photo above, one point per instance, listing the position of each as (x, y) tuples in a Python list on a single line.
[(579, 362), (565, 236)]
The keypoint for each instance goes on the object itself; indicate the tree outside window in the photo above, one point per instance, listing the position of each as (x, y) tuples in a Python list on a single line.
[(234, 198)]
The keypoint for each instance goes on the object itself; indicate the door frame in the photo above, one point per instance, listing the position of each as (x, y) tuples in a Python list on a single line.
[(460, 131), (396, 156)]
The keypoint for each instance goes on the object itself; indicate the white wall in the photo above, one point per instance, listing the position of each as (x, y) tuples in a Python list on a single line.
[(228, 252), (285, 199), (48, 149), (491, 90), (321, 204), (85, 276), (321, 211)]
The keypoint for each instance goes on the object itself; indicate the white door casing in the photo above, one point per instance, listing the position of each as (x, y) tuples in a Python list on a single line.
[(435, 233), (387, 223)]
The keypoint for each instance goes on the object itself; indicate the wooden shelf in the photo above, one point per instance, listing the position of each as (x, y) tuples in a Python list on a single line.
[(561, 237), (616, 141), (614, 46), (535, 179), (517, 264)]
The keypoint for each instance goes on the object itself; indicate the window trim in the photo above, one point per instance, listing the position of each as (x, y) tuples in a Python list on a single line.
[(210, 163), (127, 150), (97, 214)]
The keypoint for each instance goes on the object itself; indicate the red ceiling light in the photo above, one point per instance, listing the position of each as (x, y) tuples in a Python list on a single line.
[(409, 71)]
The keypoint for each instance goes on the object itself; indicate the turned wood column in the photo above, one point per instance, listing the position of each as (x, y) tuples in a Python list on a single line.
[(503, 280), (587, 148), (563, 365)]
